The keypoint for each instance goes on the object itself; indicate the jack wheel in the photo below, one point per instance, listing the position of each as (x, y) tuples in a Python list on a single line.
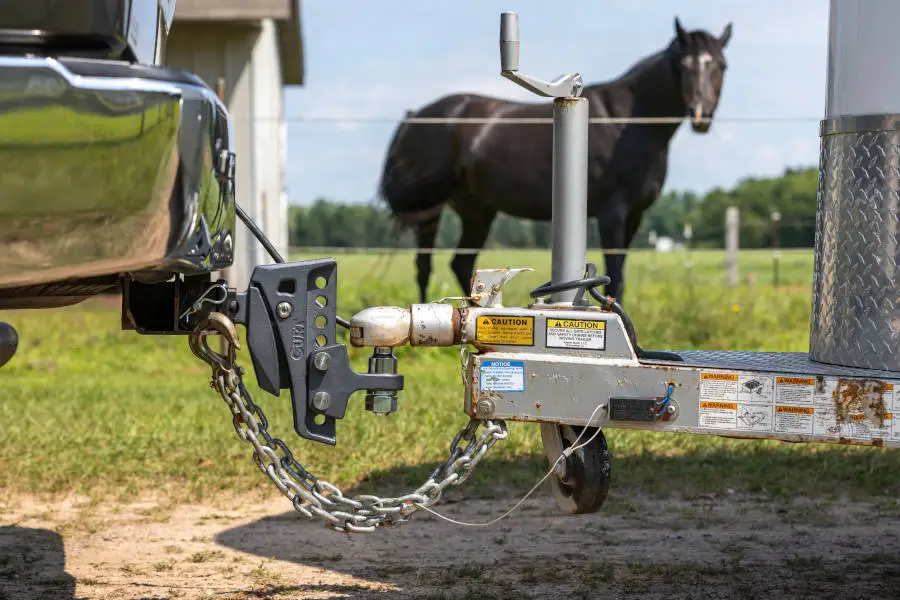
[(580, 482)]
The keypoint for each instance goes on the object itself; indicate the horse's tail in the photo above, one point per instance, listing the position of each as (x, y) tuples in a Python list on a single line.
[(420, 172)]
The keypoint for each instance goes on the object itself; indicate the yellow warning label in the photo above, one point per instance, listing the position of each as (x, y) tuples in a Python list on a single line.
[(888, 386), (576, 324), (719, 376), (578, 334), (505, 330), (796, 380), (719, 405), (797, 410)]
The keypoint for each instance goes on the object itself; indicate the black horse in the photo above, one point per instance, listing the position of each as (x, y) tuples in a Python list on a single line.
[(482, 169)]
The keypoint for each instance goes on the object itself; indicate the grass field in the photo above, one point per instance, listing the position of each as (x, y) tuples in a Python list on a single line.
[(90, 409)]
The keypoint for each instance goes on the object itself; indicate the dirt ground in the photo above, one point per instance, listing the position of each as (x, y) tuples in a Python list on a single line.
[(709, 547)]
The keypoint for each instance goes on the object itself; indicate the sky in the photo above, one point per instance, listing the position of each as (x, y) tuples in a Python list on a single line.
[(376, 60)]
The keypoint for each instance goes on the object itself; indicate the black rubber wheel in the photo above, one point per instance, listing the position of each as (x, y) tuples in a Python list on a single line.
[(581, 483)]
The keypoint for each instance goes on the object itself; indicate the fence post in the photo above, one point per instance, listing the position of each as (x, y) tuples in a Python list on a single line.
[(776, 243), (732, 236), (688, 235)]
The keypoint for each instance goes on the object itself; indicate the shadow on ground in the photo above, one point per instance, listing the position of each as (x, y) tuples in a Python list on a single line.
[(33, 565), (684, 527)]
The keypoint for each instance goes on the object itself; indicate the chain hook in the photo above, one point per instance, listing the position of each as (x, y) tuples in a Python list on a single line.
[(217, 323)]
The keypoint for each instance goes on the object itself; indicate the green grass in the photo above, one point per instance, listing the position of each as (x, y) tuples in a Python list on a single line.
[(87, 408)]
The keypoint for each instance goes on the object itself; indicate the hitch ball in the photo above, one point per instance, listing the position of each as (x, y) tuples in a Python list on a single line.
[(432, 324)]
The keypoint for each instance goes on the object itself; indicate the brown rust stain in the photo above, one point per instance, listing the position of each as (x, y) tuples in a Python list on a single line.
[(857, 398), (457, 321)]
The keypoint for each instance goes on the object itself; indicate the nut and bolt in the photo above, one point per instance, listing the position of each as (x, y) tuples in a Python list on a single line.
[(671, 409), (284, 310), (321, 401), (322, 361), (484, 409), (382, 403)]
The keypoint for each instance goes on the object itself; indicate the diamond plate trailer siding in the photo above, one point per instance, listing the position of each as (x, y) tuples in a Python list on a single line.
[(856, 287)]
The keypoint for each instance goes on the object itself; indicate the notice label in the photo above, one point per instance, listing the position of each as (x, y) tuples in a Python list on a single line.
[(503, 375), (505, 330), (576, 333)]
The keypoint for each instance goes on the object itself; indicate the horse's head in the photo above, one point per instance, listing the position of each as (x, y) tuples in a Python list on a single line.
[(700, 66)]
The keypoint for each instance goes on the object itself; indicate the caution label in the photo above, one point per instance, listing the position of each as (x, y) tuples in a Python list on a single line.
[(505, 330), (580, 334)]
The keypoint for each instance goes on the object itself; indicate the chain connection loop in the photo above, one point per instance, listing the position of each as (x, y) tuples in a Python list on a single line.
[(312, 497)]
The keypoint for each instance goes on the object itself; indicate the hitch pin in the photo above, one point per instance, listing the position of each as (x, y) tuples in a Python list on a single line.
[(206, 298)]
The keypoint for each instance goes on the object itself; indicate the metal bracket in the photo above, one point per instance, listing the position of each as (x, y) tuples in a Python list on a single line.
[(487, 285), (289, 311)]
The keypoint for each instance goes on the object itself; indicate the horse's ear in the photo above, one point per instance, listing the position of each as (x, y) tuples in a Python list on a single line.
[(726, 35), (683, 37)]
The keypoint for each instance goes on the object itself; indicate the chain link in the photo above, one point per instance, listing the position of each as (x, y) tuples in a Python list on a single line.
[(312, 497)]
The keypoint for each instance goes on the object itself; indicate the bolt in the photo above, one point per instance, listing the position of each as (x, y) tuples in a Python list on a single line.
[(381, 403), (479, 287), (322, 361), (284, 309), (321, 401), (484, 409), (671, 410)]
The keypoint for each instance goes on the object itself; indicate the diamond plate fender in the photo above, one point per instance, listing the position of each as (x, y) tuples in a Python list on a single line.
[(855, 318)]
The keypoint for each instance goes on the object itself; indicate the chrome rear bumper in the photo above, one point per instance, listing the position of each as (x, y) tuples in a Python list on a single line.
[(109, 168)]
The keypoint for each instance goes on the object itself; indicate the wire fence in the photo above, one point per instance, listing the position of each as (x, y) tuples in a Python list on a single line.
[(307, 250), (411, 120), (703, 268)]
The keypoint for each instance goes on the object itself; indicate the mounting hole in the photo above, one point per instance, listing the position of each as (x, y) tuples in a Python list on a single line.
[(321, 301), (321, 321), (321, 282), (319, 419), (321, 340), (287, 286)]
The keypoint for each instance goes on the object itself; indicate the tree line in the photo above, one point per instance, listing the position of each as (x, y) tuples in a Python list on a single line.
[(792, 195)]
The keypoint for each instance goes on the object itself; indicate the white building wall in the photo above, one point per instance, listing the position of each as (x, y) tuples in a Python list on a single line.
[(246, 56)]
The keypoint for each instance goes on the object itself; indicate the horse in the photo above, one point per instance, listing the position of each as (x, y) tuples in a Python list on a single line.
[(479, 170)]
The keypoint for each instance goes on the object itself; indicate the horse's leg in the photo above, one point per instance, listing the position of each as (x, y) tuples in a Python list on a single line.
[(613, 234), (426, 232), (476, 225)]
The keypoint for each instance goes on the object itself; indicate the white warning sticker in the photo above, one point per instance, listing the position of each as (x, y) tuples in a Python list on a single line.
[(718, 415), (582, 334), (865, 409), (732, 401), (503, 375), (718, 386), (794, 419), (718, 400), (825, 418), (794, 390)]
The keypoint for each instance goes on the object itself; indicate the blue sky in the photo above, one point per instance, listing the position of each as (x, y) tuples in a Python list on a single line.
[(368, 59)]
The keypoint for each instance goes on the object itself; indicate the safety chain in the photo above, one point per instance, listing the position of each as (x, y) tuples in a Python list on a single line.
[(312, 497)]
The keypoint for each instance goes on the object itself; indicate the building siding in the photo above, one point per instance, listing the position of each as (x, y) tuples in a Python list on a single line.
[(246, 56)]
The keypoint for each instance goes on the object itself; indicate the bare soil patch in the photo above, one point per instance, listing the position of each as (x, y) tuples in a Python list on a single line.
[(707, 547)]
